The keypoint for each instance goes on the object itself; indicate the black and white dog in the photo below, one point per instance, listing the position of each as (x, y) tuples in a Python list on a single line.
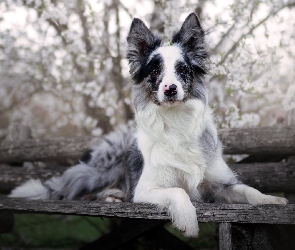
[(173, 156)]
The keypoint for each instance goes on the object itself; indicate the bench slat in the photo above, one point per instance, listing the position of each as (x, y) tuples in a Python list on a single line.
[(264, 140), (259, 141), (240, 213), (266, 177)]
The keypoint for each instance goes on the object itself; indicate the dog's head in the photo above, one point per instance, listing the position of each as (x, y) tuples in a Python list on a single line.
[(171, 74)]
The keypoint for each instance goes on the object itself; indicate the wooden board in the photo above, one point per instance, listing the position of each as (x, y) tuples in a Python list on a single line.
[(265, 140), (266, 177), (240, 213), (258, 141)]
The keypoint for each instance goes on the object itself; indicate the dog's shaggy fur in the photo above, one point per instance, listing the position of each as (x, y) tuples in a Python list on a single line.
[(173, 156)]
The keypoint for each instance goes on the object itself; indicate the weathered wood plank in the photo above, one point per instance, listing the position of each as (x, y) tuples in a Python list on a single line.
[(266, 177), (12, 177), (265, 140), (262, 236), (240, 213), (225, 236), (44, 149), (290, 194)]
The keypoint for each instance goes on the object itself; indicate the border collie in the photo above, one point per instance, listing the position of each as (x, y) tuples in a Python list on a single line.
[(173, 156)]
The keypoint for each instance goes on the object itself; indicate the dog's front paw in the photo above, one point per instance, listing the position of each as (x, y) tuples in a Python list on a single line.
[(192, 232), (184, 218)]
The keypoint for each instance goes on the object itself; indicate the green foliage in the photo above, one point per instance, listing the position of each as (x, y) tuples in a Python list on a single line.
[(207, 236), (59, 231), (54, 231)]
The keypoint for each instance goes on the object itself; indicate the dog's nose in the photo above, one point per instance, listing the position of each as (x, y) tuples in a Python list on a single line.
[(170, 90)]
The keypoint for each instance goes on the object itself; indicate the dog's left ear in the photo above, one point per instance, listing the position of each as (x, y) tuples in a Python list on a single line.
[(191, 38)]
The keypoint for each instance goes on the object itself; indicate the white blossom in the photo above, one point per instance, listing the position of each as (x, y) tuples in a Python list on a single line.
[(50, 79)]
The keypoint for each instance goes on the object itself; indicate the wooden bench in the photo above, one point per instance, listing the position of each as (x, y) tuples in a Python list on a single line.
[(241, 226)]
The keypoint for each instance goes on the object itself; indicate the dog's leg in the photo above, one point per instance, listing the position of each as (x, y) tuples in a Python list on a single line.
[(241, 193), (181, 210), (232, 191)]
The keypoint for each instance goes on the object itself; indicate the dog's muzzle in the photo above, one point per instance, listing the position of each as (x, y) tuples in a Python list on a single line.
[(170, 90)]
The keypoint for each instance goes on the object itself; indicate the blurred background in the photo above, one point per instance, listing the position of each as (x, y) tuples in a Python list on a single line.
[(63, 73)]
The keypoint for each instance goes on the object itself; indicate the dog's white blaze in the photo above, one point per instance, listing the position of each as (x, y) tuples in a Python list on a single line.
[(170, 55)]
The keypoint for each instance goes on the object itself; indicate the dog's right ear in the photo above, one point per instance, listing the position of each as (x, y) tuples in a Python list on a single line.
[(141, 43)]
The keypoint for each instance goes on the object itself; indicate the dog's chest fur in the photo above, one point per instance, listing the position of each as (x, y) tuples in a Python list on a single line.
[(168, 139)]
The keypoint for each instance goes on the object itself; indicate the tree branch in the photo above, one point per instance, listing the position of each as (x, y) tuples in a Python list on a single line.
[(271, 14)]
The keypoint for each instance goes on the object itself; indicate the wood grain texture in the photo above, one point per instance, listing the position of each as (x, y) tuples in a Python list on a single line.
[(291, 122), (265, 140), (12, 177), (262, 236), (44, 149), (225, 236), (240, 213), (266, 177)]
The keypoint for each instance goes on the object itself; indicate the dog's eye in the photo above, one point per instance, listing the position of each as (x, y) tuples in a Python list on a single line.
[(155, 71), (182, 69)]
